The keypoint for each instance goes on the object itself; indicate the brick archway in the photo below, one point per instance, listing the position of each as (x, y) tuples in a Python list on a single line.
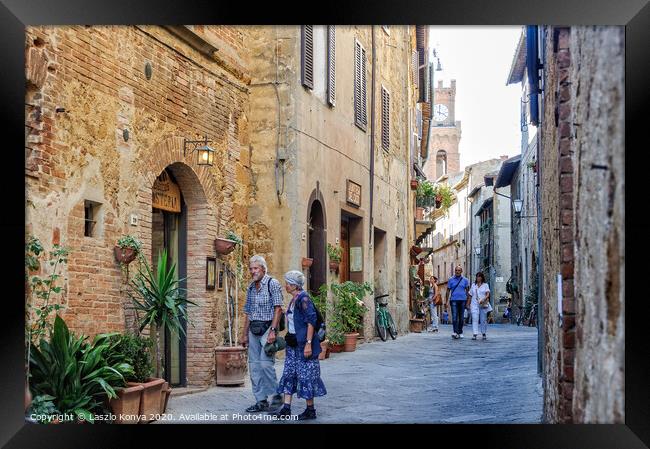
[(202, 226)]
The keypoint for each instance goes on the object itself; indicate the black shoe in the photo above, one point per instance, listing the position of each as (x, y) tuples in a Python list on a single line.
[(284, 411), (259, 406), (307, 414)]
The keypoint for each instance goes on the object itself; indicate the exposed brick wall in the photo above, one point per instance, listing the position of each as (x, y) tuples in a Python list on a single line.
[(96, 75)]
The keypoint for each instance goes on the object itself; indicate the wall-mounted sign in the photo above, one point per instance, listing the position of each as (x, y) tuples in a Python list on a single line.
[(356, 259), (499, 279), (166, 194), (353, 193)]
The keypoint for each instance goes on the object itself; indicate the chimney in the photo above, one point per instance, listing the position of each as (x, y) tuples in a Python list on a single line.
[(504, 157)]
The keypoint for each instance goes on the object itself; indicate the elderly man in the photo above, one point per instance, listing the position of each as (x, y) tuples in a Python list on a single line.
[(457, 288), (261, 317)]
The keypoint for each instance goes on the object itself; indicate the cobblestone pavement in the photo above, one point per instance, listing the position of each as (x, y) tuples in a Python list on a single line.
[(417, 378)]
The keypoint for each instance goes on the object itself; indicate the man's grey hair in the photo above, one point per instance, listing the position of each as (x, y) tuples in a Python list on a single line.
[(258, 260)]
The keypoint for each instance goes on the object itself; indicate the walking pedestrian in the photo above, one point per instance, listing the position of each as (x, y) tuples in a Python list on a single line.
[(301, 372), (457, 290), (480, 305), (434, 300), (261, 316)]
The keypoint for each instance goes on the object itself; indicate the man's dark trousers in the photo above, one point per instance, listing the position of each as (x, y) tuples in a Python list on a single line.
[(457, 311)]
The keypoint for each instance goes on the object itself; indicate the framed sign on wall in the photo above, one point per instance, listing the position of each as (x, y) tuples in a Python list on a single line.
[(211, 273), (353, 193)]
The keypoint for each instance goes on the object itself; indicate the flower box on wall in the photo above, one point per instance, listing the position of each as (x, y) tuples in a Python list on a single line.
[(224, 246)]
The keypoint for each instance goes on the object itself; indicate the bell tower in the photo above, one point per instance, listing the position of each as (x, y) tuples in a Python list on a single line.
[(445, 134)]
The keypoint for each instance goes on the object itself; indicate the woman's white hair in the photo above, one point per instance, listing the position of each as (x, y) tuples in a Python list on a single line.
[(259, 260), (295, 277)]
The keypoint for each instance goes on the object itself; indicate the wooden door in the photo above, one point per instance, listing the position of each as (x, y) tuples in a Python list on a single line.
[(344, 268)]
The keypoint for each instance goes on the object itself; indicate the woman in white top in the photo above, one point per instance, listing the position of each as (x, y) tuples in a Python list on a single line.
[(480, 305)]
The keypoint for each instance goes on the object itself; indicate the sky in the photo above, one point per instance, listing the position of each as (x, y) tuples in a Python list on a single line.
[(479, 59)]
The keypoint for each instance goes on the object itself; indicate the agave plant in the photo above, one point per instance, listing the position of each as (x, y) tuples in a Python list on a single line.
[(74, 373), (162, 300)]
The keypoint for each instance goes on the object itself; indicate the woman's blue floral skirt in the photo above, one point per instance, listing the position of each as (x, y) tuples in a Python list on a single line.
[(301, 376)]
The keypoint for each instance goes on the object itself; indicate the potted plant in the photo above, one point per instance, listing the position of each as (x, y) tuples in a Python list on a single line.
[(335, 253), (227, 245), (163, 302), (75, 374), (307, 261), (336, 336), (532, 165), (127, 249), (136, 351), (414, 184), (444, 196), (349, 309)]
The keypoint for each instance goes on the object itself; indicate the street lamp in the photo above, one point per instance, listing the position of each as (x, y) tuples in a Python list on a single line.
[(477, 250), (517, 205), (205, 153)]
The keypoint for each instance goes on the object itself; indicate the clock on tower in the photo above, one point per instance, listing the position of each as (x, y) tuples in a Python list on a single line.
[(440, 112)]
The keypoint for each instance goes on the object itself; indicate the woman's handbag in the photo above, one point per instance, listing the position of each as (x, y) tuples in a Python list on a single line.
[(259, 327), (437, 300), (290, 340)]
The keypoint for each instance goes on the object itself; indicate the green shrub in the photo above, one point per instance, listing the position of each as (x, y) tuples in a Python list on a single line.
[(137, 352), (348, 307), (75, 373)]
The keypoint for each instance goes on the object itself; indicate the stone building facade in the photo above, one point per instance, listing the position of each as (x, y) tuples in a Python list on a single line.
[(108, 109), (324, 171), (582, 185)]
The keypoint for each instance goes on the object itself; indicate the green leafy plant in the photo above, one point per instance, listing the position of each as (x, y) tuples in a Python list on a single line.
[(75, 373), (129, 241), (425, 190), (446, 196), (348, 307), (239, 269), (43, 408), (43, 293), (162, 300), (320, 300), (335, 332), (334, 252), (137, 352)]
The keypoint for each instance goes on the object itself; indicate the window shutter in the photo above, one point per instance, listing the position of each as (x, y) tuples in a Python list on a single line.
[(427, 84), (385, 119), (360, 112), (307, 56), (419, 123), (331, 64)]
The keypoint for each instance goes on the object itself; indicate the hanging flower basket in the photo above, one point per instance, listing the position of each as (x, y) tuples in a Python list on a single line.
[(224, 246), (414, 184), (306, 262), (334, 266), (125, 255)]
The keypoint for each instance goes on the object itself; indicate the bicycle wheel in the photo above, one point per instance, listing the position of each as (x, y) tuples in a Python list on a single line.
[(392, 329), (381, 327)]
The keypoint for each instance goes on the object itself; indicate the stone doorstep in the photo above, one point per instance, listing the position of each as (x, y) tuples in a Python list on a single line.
[(182, 391)]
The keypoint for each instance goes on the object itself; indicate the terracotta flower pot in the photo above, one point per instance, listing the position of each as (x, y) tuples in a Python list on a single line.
[(416, 325), (323, 350), (306, 262), (164, 397), (224, 246), (150, 400), (336, 347), (125, 255), (334, 266), (230, 365), (419, 213), (414, 184), (438, 204), (351, 342), (126, 406)]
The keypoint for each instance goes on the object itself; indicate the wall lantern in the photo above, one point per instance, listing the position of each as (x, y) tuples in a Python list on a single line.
[(517, 204), (205, 153), (477, 250)]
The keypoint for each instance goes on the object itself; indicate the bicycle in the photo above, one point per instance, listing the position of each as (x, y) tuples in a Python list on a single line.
[(383, 319)]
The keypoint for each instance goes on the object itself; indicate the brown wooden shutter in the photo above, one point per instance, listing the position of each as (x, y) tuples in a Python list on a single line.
[(331, 65), (307, 32), (360, 112), (427, 83), (385, 119)]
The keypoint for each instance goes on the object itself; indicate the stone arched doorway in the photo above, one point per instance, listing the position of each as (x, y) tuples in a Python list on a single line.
[(317, 241), (194, 234)]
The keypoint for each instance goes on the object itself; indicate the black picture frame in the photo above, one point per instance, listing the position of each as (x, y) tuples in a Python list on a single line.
[(210, 273), (635, 15)]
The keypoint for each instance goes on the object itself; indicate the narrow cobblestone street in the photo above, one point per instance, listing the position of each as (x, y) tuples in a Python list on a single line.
[(418, 378)]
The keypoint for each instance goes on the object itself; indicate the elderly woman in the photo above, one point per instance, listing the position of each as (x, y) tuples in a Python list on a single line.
[(301, 368)]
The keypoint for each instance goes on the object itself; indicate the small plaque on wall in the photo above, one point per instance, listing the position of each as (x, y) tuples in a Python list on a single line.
[(353, 193), (356, 259)]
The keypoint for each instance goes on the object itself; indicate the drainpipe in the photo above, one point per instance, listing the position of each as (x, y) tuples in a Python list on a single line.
[(540, 259), (372, 135)]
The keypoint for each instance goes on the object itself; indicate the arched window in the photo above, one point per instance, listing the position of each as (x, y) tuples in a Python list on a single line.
[(441, 163)]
